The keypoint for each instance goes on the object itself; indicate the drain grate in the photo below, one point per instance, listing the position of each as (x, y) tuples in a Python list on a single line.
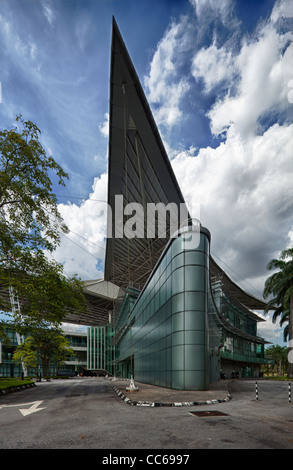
[(207, 414)]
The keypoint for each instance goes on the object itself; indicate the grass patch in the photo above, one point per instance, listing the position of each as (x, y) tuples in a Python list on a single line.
[(278, 377), (9, 383)]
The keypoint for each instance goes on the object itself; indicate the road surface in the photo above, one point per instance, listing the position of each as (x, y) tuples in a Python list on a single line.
[(85, 413)]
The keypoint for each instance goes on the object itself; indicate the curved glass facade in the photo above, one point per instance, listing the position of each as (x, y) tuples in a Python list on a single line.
[(168, 339)]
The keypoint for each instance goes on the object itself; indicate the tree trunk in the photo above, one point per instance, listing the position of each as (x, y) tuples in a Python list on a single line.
[(290, 353)]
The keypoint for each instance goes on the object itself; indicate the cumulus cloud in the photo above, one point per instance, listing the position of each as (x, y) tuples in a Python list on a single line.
[(104, 128), (245, 195), (220, 14), (282, 9), (269, 330), (166, 88), (213, 65), (82, 250), (263, 73), (244, 184), (221, 9)]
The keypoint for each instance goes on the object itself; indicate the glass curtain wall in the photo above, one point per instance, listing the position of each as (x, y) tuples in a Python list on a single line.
[(167, 336), (100, 352)]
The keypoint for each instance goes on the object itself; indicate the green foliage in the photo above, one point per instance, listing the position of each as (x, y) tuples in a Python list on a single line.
[(30, 227), (26, 355), (29, 213), (47, 296), (43, 347), (279, 354), (4, 338), (280, 285)]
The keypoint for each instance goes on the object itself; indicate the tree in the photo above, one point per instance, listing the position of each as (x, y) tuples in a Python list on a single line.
[(29, 212), (30, 227), (280, 285), (4, 338), (43, 348), (279, 355)]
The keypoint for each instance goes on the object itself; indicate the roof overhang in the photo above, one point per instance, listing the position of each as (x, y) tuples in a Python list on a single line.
[(101, 297), (139, 170), (242, 296)]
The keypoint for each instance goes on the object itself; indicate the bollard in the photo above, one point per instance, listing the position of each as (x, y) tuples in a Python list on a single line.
[(256, 391), (289, 390)]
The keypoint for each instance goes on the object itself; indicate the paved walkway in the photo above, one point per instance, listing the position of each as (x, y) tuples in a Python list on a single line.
[(151, 395)]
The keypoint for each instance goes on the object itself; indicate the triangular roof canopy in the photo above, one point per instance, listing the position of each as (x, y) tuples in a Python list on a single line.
[(139, 169)]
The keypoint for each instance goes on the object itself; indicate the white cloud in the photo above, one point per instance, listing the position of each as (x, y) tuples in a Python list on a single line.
[(23, 50), (221, 8), (290, 237), (165, 88), (48, 12), (208, 10), (82, 251), (245, 193), (104, 128), (271, 331), (213, 65), (169, 114), (282, 9), (263, 73)]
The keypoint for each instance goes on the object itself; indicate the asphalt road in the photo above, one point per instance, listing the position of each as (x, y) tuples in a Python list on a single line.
[(85, 413)]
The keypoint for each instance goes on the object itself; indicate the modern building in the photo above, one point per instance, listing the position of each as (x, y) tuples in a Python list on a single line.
[(100, 351), (176, 319), (7, 366), (74, 365), (78, 342), (165, 313)]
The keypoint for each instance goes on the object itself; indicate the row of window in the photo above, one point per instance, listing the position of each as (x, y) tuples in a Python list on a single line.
[(240, 346), (237, 318)]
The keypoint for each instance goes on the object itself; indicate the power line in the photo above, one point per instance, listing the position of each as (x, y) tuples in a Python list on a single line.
[(237, 274), (87, 198), (86, 239), (84, 249), (63, 234)]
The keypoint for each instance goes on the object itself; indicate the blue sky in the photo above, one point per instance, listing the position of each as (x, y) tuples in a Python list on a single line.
[(217, 77)]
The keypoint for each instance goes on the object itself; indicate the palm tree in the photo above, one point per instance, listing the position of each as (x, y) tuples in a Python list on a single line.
[(280, 285)]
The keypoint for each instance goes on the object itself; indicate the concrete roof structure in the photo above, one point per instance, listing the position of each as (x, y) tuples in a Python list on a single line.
[(101, 296)]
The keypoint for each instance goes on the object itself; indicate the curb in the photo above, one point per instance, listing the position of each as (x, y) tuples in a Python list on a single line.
[(175, 404), (16, 389)]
